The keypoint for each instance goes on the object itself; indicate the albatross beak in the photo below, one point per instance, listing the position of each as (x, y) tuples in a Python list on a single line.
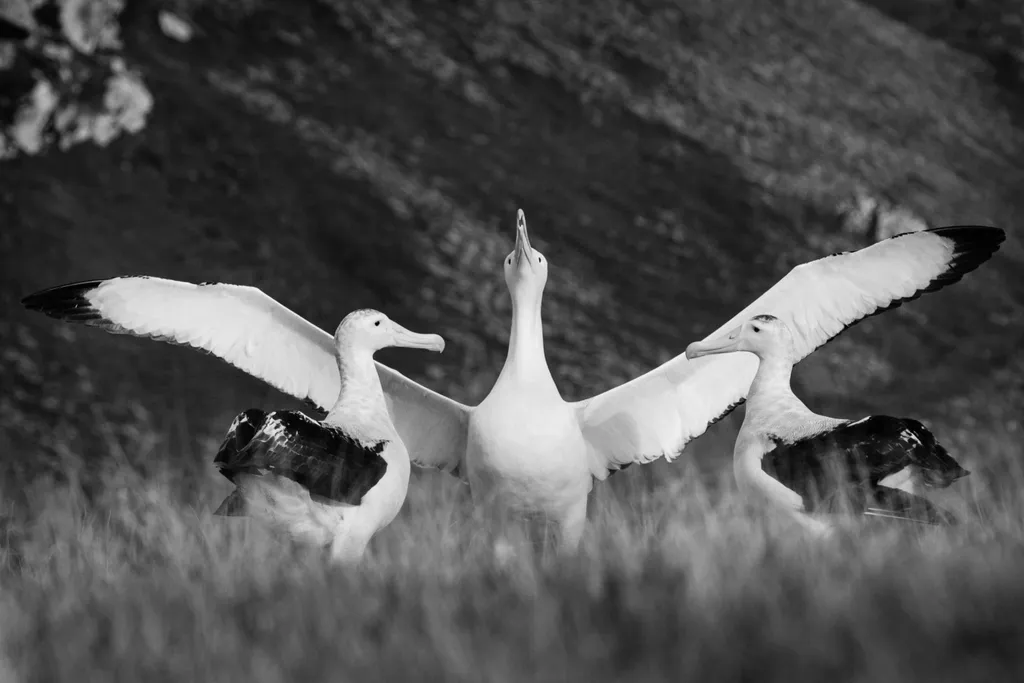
[(412, 340), (721, 345), (524, 252)]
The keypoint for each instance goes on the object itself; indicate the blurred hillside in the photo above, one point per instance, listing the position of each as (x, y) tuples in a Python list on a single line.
[(674, 159)]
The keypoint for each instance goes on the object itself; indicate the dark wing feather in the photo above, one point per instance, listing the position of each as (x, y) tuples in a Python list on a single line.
[(324, 460), (843, 466), (847, 459), (894, 503), (240, 433)]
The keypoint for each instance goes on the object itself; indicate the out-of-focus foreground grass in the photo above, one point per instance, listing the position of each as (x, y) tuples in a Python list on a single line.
[(683, 581)]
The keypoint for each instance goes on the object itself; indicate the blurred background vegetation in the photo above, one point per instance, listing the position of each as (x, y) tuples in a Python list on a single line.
[(674, 159)]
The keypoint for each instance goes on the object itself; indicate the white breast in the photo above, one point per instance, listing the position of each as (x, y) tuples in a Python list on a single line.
[(382, 503), (528, 450)]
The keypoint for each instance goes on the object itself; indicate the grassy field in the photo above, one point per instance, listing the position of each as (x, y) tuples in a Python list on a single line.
[(674, 159), (679, 583)]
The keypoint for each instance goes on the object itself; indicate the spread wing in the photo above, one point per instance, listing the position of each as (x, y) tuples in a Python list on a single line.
[(255, 333), (656, 414)]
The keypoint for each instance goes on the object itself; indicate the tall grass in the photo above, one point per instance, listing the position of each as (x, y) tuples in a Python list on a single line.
[(678, 581)]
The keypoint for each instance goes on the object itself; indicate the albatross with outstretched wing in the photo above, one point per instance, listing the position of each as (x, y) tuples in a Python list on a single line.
[(523, 445), (333, 483), (806, 465)]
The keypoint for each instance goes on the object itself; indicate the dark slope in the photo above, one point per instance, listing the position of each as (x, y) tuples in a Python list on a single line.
[(672, 163)]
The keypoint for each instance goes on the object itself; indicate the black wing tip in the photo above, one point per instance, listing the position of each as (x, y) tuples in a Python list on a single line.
[(972, 246), (66, 302), (972, 234)]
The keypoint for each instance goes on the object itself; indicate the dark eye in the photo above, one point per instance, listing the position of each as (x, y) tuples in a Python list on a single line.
[(757, 329), (539, 259), (510, 260), (377, 324)]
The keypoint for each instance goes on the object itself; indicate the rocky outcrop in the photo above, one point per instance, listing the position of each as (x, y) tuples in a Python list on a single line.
[(62, 79)]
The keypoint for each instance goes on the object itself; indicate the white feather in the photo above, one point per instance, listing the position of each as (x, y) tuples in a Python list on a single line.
[(556, 447), (656, 414), (255, 333)]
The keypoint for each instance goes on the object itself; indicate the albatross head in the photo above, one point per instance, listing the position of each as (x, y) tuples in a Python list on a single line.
[(370, 330), (526, 269), (763, 335)]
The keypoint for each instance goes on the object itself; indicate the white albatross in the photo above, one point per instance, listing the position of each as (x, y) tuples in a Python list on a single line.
[(334, 483), (810, 466), (539, 452)]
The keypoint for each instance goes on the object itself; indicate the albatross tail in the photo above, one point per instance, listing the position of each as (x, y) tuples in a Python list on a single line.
[(233, 506)]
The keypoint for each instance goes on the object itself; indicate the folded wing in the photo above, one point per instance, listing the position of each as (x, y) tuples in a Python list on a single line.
[(324, 460)]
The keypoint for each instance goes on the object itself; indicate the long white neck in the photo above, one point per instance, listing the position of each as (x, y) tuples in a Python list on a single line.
[(771, 389), (360, 407), (772, 407), (526, 363)]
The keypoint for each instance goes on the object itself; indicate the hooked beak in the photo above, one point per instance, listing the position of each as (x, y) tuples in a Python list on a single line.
[(524, 252), (412, 340), (721, 345)]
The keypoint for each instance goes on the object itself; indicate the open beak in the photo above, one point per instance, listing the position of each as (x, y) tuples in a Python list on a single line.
[(721, 345), (524, 252), (412, 340)]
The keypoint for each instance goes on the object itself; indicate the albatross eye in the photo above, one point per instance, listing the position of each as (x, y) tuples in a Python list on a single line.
[(757, 329), (377, 324)]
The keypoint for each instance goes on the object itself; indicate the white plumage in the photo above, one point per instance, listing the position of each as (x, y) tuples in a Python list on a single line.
[(334, 483), (523, 444), (804, 464)]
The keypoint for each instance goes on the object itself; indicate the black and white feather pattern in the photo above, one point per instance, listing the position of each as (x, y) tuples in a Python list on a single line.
[(652, 416), (257, 334), (849, 463), (332, 466), (657, 414)]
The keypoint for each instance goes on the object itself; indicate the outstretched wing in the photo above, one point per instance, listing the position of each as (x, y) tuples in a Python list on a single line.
[(324, 460), (656, 414), (255, 333), (433, 427)]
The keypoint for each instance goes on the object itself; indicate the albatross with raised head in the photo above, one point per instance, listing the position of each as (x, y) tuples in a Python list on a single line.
[(537, 452), (333, 483), (809, 465)]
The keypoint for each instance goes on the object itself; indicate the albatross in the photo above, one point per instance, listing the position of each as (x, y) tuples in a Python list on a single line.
[(334, 483), (524, 445), (808, 465)]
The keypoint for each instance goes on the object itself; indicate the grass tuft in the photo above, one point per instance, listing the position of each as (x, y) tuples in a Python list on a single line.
[(681, 579)]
